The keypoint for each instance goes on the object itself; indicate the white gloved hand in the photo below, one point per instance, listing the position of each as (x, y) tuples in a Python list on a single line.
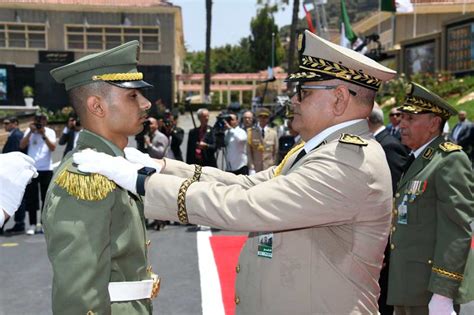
[(115, 168), (441, 305), (252, 171), (16, 171), (138, 157)]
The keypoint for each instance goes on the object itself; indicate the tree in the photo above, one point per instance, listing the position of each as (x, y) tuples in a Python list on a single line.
[(291, 49), (207, 65), (262, 27)]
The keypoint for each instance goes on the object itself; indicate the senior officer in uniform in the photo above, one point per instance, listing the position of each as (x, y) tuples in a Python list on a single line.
[(94, 229), (262, 143), (319, 221), (433, 209)]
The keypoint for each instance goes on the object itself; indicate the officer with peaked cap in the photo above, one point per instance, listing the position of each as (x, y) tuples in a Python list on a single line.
[(433, 209), (262, 143), (94, 229), (326, 207)]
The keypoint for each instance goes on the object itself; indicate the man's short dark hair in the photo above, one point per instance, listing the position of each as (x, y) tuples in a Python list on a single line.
[(12, 119), (78, 96)]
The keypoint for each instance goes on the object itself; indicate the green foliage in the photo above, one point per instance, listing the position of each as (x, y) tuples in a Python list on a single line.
[(60, 115), (28, 91), (261, 28)]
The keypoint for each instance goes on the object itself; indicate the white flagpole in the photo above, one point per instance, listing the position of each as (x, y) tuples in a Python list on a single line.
[(414, 18)]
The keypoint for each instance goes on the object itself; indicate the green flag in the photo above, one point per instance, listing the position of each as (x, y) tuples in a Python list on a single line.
[(347, 34), (388, 5)]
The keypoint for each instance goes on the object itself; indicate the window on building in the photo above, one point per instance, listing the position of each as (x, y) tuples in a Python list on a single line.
[(460, 46), (79, 37), (23, 35)]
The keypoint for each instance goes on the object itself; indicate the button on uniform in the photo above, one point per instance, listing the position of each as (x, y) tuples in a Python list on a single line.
[(237, 300), (237, 268), (392, 246)]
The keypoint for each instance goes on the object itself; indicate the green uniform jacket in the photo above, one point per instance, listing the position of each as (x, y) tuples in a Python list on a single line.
[(92, 243), (431, 243)]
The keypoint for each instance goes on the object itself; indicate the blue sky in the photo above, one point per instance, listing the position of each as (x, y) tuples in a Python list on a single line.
[(230, 21)]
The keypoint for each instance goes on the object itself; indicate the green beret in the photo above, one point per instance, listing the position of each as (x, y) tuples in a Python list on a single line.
[(263, 112), (420, 100), (117, 66)]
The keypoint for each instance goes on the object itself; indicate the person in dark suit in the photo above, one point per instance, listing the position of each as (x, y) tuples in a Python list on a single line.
[(466, 140), (460, 128), (70, 134), (393, 127), (14, 136), (201, 142), (396, 155), (13, 144), (177, 135)]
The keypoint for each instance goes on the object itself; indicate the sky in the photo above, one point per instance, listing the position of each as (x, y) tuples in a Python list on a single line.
[(230, 21)]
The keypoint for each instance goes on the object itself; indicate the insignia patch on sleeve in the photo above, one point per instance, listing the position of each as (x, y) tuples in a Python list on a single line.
[(450, 147), (352, 139), (91, 187)]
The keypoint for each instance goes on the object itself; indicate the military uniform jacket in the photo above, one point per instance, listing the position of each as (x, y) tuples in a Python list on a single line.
[(93, 242), (431, 233), (262, 152), (330, 217)]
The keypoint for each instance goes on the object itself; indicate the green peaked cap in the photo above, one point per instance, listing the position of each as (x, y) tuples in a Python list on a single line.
[(117, 66)]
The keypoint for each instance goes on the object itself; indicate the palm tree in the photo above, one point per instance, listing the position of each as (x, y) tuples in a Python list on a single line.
[(207, 64)]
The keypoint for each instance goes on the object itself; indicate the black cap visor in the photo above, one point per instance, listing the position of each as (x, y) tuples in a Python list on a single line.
[(138, 84)]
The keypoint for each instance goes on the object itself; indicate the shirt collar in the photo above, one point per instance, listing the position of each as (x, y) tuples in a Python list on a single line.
[(316, 140), (418, 151), (381, 128)]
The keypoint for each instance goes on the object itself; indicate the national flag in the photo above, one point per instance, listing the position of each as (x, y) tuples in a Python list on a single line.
[(400, 6), (309, 19), (347, 34)]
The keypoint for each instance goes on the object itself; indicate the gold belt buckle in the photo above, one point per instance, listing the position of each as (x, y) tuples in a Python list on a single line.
[(156, 285)]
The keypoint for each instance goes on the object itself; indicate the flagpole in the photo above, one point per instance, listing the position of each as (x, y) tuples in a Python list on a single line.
[(379, 28), (414, 18)]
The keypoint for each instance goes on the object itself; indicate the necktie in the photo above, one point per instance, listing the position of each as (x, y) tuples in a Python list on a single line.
[(263, 133), (409, 161), (299, 156)]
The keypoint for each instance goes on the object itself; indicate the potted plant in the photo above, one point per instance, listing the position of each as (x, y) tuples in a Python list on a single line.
[(28, 94)]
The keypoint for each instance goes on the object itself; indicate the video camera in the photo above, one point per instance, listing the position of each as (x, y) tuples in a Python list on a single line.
[(219, 128)]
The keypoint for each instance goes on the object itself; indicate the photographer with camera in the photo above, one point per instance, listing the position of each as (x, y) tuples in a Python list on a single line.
[(41, 142), (201, 142), (156, 142), (70, 134), (235, 141)]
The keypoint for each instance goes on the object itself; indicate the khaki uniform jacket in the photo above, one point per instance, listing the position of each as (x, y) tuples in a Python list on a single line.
[(330, 214), (92, 243), (429, 251), (262, 152)]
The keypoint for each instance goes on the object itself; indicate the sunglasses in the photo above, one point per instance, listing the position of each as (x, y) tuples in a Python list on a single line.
[(396, 115), (300, 88)]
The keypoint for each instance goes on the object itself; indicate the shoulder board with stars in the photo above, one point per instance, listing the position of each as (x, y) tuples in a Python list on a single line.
[(352, 139), (450, 147), (84, 186)]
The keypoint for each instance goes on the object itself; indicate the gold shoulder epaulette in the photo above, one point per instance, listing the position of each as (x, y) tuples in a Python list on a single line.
[(450, 147), (352, 139), (91, 187)]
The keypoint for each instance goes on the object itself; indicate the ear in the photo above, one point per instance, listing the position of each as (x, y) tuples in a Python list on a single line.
[(342, 100), (436, 124), (95, 106)]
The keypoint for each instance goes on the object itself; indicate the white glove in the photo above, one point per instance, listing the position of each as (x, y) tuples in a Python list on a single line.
[(116, 168), (441, 305), (138, 157), (16, 171), (252, 171)]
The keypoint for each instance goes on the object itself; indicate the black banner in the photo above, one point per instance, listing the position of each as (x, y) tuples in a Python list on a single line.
[(49, 56)]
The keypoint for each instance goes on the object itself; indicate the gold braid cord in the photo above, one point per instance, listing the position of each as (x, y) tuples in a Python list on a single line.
[(133, 76), (182, 212), (309, 65), (418, 105), (450, 275), (85, 187), (280, 166)]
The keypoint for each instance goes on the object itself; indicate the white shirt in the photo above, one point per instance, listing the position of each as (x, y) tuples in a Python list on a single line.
[(381, 128), (418, 151), (317, 139), (39, 151), (236, 148)]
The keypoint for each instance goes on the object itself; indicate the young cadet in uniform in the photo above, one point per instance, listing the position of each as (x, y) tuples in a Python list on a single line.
[(319, 221), (95, 230), (434, 207), (262, 149)]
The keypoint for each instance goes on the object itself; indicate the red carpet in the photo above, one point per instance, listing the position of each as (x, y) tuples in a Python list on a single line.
[(226, 251)]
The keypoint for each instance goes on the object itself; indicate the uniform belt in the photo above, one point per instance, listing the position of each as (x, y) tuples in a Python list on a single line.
[(134, 290)]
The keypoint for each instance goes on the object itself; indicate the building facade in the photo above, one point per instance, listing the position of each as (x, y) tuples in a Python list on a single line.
[(38, 35)]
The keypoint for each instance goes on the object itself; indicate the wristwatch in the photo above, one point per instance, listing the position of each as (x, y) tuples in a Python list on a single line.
[(143, 173)]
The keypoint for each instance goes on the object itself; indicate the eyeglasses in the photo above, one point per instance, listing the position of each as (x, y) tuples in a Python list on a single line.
[(395, 114), (299, 90)]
